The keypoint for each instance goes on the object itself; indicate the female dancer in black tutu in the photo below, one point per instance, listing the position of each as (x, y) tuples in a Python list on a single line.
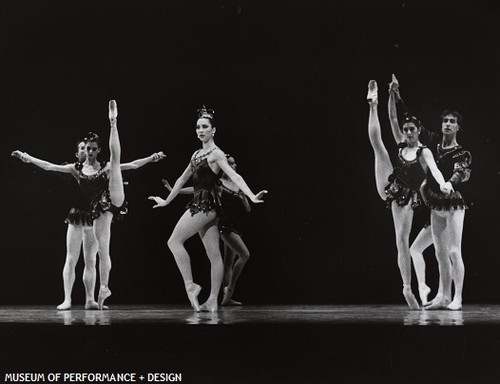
[(202, 214), (234, 205), (399, 183), (102, 185), (447, 210)]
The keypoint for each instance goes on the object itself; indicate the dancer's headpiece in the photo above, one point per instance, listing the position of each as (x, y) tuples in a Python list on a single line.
[(205, 113)]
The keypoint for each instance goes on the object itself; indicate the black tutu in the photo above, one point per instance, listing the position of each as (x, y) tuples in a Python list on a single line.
[(77, 216), (401, 194), (441, 202), (204, 201), (103, 204)]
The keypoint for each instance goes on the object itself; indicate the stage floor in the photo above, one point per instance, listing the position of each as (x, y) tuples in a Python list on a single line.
[(258, 344), (472, 314)]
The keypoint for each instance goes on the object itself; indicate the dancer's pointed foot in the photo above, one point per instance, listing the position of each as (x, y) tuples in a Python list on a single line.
[(113, 110), (209, 306), (423, 292), (64, 306), (193, 290), (410, 298), (455, 305), (104, 293), (372, 96), (227, 299)]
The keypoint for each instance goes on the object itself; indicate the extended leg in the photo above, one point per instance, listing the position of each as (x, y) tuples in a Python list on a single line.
[(383, 165)]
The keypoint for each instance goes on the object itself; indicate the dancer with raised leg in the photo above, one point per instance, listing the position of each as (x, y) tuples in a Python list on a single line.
[(399, 184), (202, 214), (447, 210), (90, 225)]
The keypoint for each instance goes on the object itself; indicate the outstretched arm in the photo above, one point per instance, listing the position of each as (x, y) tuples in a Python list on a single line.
[(45, 165), (175, 190), (221, 160), (446, 187), (155, 157)]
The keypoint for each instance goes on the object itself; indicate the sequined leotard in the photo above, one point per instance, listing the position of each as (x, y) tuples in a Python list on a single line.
[(406, 179), (95, 189), (232, 210), (205, 197)]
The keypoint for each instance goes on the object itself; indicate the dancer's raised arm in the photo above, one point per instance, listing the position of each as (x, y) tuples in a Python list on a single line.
[(393, 114), (221, 161), (45, 165)]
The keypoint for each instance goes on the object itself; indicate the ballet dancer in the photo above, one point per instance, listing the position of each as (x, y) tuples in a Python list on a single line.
[(399, 184), (102, 185), (234, 205), (202, 214), (447, 211)]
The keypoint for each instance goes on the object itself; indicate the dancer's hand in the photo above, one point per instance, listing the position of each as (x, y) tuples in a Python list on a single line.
[(21, 155), (394, 87), (159, 201), (258, 197), (446, 188), (158, 156), (166, 184)]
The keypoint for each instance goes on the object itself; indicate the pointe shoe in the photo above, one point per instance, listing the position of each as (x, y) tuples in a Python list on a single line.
[(424, 293), (192, 294), (104, 293), (372, 95), (207, 308), (113, 110), (64, 306), (410, 299), (227, 299), (454, 306)]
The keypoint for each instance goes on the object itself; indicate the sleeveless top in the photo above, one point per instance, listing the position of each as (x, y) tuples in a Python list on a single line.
[(405, 180), (205, 197)]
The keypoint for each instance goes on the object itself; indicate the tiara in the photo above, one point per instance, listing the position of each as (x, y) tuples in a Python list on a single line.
[(91, 136), (204, 112)]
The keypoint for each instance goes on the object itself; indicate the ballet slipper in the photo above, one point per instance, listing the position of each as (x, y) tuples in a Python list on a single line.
[(455, 305), (205, 307), (92, 305), (423, 292), (104, 293), (410, 298), (227, 299), (64, 306), (192, 292), (372, 95)]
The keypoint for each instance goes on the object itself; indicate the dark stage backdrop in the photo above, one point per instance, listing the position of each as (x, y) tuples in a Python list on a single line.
[(288, 83)]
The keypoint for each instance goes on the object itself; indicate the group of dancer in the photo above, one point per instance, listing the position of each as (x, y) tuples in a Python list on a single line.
[(101, 185), (429, 169)]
